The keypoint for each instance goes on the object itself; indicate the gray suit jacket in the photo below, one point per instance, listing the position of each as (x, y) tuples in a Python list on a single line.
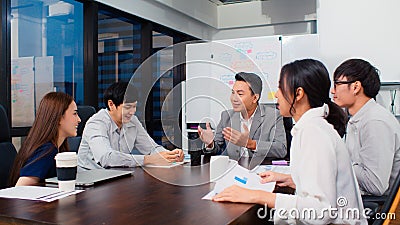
[(267, 129)]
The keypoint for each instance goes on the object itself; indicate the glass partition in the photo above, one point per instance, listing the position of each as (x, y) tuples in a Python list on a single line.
[(46, 54), (119, 50)]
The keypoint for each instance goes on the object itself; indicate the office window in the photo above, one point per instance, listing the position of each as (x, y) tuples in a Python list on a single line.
[(46, 54), (124, 44), (163, 70), (118, 50)]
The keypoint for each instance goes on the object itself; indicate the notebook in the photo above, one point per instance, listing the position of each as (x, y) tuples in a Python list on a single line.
[(91, 177)]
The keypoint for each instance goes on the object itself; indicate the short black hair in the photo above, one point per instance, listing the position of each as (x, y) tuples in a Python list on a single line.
[(253, 80), (363, 71), (116, 93)]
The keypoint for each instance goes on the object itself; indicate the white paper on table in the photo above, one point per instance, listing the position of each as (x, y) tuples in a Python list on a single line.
[(209, 196), (170, 165), (37, 193), (278, 169), (241, 177)]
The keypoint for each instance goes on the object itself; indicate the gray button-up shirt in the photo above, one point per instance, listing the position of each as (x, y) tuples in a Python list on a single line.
[(105, 145), (373, 140)]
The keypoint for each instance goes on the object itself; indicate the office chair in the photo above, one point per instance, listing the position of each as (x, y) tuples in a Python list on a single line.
[(288, 125), (390, 200), (84, 112), (7, 149), (393, 208)]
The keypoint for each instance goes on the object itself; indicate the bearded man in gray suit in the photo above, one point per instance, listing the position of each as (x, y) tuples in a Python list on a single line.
[(249, 129)]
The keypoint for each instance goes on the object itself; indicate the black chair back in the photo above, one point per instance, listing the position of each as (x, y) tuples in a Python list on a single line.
[(73, 143), (288, 125), (5, 127), (84, 112), (7, 149)]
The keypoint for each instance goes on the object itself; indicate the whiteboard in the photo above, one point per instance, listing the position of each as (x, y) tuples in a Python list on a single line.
[(22, 91), (211, 69), (298, 47), (259, 55), (198, 93), (44, 67)]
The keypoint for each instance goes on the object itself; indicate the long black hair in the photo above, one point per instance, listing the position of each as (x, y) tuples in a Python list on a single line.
[(313, 77)]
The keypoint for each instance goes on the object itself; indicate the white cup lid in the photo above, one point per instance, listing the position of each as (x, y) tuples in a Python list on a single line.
[(66, 156)]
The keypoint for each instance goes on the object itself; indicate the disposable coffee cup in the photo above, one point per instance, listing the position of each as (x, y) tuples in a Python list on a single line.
[(66, 163), (218, 166)]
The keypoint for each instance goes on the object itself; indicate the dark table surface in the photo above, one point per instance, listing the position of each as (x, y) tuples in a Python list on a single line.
[(150, 196)]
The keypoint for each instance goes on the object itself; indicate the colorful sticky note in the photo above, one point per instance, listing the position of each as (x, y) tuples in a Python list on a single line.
[(271, 95), (241, 180)]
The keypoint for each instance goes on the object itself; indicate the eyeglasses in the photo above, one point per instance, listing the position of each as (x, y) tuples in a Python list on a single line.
[(339, 82)]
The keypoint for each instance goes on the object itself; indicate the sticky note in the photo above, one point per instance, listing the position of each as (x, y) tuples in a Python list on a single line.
[(241, 180), (271, 95), (280, 162)]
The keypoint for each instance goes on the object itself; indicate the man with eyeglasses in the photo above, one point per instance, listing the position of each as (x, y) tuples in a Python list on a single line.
[(373, 133)]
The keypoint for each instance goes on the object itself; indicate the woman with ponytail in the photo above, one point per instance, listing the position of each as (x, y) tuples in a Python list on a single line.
[(321, 171)]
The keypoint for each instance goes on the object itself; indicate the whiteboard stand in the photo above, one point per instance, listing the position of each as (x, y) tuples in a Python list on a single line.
[(185, 144), (389, 97)]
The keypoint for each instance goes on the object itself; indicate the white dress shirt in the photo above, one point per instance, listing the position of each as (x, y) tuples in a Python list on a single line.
[(244, 152), (373, 140), (105, 145), (322, 172), (266, 129)]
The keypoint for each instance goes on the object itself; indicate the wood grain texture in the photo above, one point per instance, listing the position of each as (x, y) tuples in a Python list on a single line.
[(139, 199)]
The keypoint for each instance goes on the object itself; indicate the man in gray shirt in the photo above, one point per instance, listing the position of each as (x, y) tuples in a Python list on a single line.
[(111, 134), (373, 133), (249, 129)]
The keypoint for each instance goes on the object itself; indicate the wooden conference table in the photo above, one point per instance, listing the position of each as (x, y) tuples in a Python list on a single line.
[(138, 199)]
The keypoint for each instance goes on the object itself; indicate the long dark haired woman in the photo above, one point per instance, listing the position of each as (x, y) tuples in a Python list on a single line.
[(321, 171), (56, 119)]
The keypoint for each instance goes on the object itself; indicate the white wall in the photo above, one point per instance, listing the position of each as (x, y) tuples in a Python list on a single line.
[(261, 18), (205, 20), (245, 14), (160, 11), (368, 29), (267, 30), (203, 11), (263, 13)]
